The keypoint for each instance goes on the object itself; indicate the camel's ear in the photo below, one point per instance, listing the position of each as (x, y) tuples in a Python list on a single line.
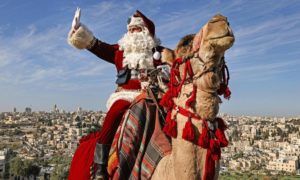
[(167, 56)]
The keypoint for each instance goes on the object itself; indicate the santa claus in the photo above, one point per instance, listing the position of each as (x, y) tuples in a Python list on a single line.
[(137, 52)]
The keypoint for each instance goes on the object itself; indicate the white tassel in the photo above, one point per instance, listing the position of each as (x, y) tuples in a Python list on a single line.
[(156, 55)]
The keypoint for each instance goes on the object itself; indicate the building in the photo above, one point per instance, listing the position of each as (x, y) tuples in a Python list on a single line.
[(3, 158), (287, 164), (28, 110), (55, 109)]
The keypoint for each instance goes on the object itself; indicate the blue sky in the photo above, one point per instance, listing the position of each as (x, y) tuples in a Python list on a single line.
[(39, 69)]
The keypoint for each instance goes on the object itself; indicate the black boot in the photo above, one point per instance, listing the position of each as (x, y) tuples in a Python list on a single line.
[(101, 161)]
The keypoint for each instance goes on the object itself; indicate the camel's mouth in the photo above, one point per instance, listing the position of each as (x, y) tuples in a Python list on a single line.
[(227, 34)]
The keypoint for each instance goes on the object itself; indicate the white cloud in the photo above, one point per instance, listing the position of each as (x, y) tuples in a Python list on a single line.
[(40, 56)]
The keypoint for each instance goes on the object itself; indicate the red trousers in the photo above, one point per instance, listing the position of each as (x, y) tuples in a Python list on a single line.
[(112, 121), (84, 154)]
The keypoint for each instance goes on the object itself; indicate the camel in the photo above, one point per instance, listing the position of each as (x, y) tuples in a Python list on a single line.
[(141, 150), (205, 53)]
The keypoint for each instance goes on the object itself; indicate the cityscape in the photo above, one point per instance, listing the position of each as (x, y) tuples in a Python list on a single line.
[(40, 145)]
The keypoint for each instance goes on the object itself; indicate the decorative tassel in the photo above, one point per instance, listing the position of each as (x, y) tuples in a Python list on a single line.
[(166, 100), (203, 140), (188, 131), (220, 135), (173, 129), (214, 146), (192, 99), (227, 93), (170, 127)]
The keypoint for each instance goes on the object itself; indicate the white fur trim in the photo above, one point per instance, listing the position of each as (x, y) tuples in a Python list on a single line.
[(136, 21), (81, 38), (129, 95)]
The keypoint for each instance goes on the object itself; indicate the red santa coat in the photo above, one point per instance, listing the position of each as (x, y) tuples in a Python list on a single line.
[(83, 157), (112, 54)]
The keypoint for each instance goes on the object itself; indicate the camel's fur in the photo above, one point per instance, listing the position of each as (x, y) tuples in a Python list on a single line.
[(187, 160)]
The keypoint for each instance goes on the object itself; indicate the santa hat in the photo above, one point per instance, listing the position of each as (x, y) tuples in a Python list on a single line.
[(139, 19)]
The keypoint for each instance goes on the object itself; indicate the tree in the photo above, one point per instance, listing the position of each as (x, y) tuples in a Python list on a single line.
[(25, 168), (31, 168), (61, 170), (17, 167)]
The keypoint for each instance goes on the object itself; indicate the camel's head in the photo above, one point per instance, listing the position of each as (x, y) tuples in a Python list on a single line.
[(214, 38), (207, 49)]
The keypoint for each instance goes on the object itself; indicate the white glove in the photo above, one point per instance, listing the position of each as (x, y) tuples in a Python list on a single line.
[(76, 19), (79, 36)]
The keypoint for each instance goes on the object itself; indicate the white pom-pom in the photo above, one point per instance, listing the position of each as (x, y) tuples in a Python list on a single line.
[(156, 55)]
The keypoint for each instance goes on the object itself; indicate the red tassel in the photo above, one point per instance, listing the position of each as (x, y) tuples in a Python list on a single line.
[(227, 93), (192, 99), (214, 146), (203, 140), (170, 127), (166, 100), (220, 135), (188, 131), (173, 129)]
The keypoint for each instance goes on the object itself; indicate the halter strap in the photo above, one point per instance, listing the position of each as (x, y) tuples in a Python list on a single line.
[(186, 113)]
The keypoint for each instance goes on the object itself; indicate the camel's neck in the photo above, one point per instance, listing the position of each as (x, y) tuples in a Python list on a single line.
[(202, 88)]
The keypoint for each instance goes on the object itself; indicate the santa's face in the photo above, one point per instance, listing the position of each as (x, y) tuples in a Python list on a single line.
[(133, 29), (137, 46)]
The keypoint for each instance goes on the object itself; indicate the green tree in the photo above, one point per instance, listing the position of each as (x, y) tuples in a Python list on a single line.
[(31, 168), (17, 167), (60, 172), (61, 169), (24, 168)]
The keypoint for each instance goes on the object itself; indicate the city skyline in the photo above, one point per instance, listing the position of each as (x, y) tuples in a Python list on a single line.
[(39, 69)]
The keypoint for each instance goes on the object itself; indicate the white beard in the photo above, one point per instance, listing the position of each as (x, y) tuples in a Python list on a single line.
[(137, 49)]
